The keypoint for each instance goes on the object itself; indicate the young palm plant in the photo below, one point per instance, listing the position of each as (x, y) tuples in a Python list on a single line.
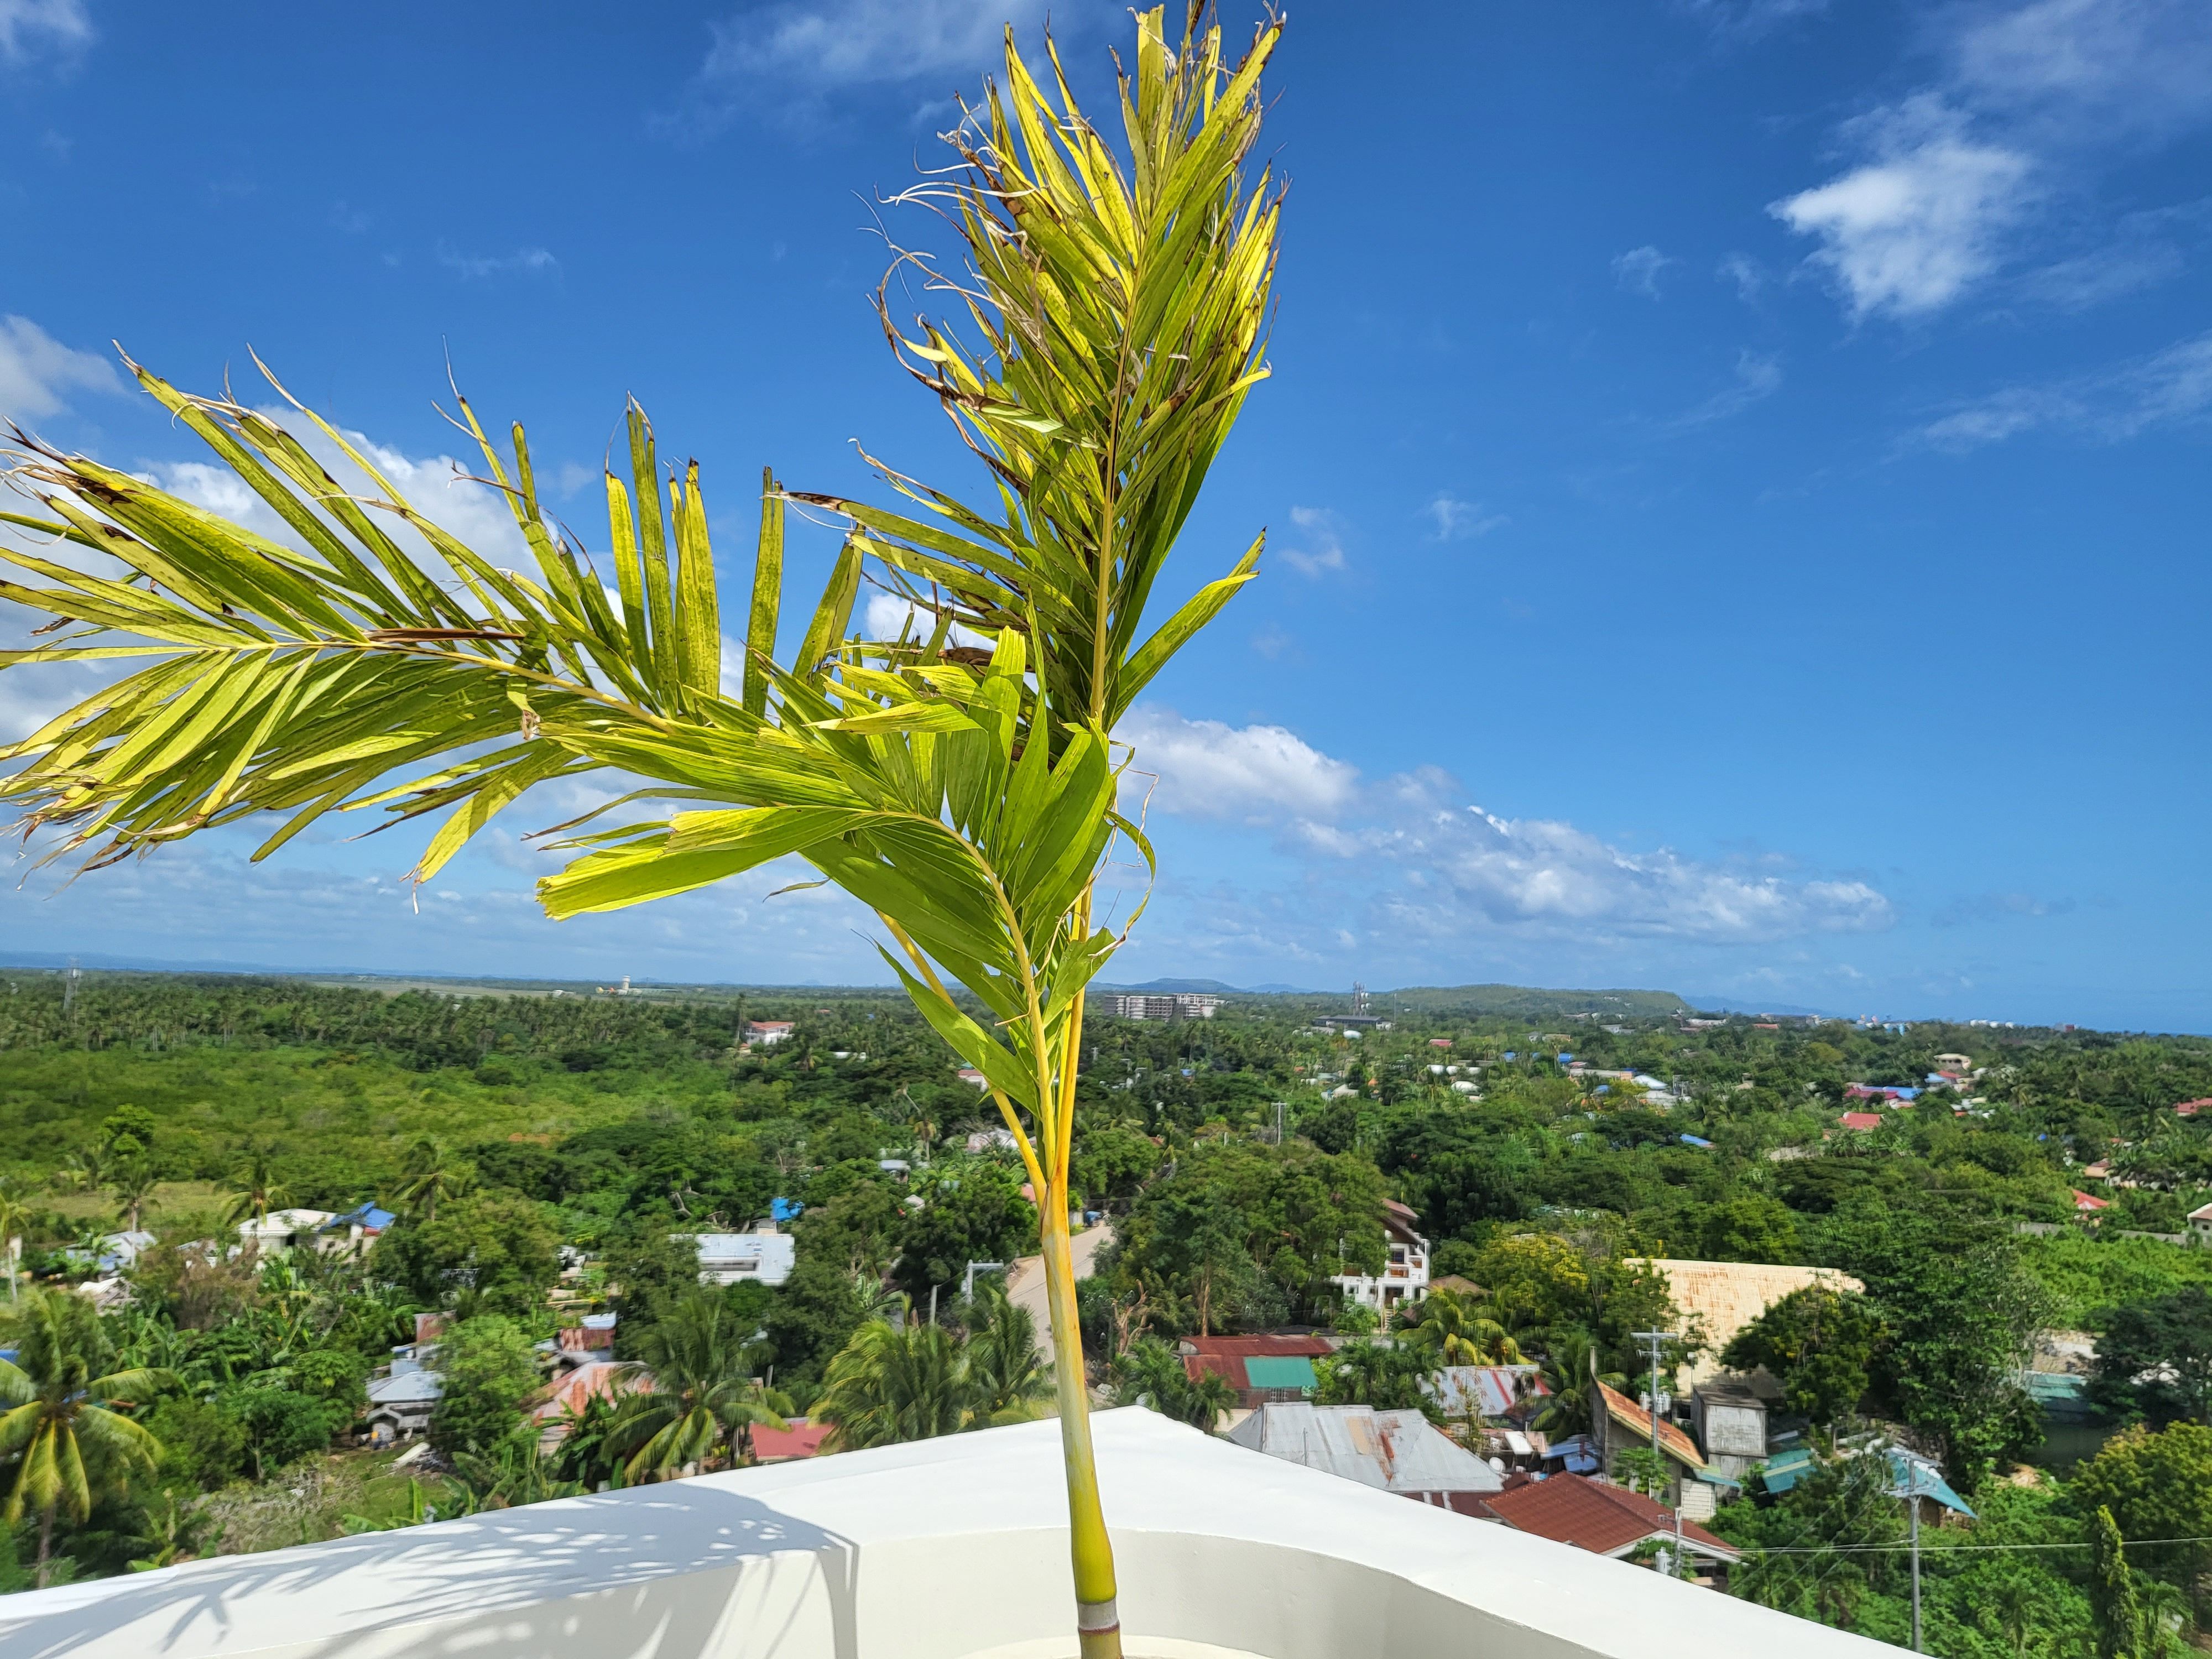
[(62, 1426), (966, 793)]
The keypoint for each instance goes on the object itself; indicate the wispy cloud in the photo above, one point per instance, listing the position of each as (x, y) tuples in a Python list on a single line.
[(1997, 907), (1910, 230), (2127, 64), (1321, 533), (797, 58), (38, 372), (29, 27), (2140, 251), (2163, 388), (1757, 376), (1457, 520), (1748, 275), (1751, 18), (1637, 271), (1949, 184), (523, 262)]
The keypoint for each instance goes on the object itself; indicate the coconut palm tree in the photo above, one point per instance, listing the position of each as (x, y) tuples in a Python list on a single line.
[(431, 1174), (255, 1189), (1149, 1372), (1570, 1373), (961, 779), (1006, 1372), (62, 1426), (895, 1383), (698, 1356), (1459, 1330), (132, 1185)]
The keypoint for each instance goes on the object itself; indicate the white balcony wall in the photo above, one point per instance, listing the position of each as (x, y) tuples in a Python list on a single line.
[(943, 1550)]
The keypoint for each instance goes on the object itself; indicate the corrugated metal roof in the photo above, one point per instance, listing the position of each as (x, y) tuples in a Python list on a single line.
[(1493, 1390), (1396, 1451), (1633, 1418), (1729, 1295)]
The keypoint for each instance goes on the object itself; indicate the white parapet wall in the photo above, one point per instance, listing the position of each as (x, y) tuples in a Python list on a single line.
[(941, 1550)]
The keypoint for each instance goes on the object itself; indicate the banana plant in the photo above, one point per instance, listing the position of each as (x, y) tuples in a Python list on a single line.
[(961, 779)]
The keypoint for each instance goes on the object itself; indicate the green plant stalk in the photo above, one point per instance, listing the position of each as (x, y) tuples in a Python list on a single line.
[(1098, 1626)]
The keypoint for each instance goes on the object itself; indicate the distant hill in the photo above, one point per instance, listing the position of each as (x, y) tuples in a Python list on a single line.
[(1737, 1004), (1531, 1001), (1164, 987)]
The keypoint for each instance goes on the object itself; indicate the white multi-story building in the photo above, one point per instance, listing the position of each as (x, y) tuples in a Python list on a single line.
[(767, 1253), (1405, 1275), (1182, 1005)]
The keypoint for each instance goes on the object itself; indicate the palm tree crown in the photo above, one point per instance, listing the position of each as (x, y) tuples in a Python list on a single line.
[(703, 1394), (61, 1413)]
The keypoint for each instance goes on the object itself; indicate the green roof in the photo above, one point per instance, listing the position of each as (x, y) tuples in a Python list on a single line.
[(1278, 1372)]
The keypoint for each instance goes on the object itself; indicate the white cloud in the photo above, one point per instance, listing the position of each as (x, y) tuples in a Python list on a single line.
[(523, 262), (1637, 270), (2138, 64), (2031, 101), (1322, 532), (38, 372), (1435, 869), (1751, 17), (1913, 228), (1467, 867), (2164, 388), (889, 615), (1209, 770), (1757, 377), (1457, 520), (27, 26), (815, 46), (1745, 272)]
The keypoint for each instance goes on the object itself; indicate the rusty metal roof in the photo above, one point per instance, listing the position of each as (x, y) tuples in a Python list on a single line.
[(1397, 1451)]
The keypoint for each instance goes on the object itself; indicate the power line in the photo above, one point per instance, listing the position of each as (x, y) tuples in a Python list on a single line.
[(1950, 1549)]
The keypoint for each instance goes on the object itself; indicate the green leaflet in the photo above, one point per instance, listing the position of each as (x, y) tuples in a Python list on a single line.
[(767, 595)]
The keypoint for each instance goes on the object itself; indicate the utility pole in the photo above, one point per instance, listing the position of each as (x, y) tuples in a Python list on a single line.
[(1909, 1492), (967, 1280), (1653, 1342)]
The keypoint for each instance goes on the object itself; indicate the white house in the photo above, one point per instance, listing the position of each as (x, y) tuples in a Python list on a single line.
[(767, 1032), (1404, 1276), (282, 1229), (2200, 1223), (765, 1254)]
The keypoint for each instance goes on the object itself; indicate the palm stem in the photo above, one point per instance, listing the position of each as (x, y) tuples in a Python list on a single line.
[(1097, 1624)]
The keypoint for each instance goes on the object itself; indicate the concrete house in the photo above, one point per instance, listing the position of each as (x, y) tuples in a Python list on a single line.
[(1405, 1275), (767, 1253)]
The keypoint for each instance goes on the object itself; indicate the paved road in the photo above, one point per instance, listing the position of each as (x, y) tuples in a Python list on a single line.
[(1025, 1281)]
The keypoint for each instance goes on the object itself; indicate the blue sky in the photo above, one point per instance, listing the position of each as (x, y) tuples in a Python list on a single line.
[(1736, 472)]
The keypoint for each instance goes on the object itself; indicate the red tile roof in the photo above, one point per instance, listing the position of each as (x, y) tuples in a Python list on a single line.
[(2191, 1107), (2087, 1201), (802, 1439), (1225, 1356), (1861, 1119), (1573, 1509), (1633, 1417)]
